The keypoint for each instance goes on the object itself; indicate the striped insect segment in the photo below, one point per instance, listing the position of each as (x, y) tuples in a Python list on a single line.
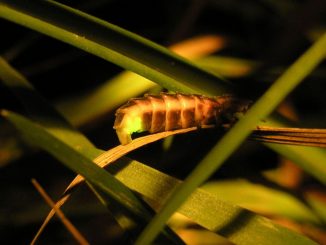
[(165, 112)]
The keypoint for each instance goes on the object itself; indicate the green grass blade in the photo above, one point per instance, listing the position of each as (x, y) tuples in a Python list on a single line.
[(310, 159), (126, 222), (204, 208), (227, 66), (233, 138), (131, 225), (40, 111), (105, 98), (112, 43), (317, 204), (262, 199)]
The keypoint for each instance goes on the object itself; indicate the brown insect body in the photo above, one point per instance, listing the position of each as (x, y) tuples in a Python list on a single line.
[(164, 112)]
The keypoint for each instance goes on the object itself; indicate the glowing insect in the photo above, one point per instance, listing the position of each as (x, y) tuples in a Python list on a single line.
[(164, 112)]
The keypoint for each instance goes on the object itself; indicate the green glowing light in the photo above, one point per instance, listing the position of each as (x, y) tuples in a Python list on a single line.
[(134, 124)]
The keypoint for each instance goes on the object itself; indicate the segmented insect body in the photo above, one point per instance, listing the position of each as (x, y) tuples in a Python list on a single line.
[(164, 112)]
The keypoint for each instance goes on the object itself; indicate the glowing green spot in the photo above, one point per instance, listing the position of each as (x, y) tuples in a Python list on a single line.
[(134, 124)]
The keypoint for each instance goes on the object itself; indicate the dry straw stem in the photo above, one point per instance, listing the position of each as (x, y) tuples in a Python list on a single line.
[(70, 227), (117, 152), (291, 136)]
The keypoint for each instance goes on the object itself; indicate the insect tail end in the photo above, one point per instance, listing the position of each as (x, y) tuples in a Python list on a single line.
[(123, 136)]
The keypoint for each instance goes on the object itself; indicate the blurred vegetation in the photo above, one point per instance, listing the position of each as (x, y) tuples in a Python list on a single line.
[(248, 43)]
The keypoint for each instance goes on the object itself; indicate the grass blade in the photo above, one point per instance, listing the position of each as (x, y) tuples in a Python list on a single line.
[(114, 44), (40, 111), (262, 199)]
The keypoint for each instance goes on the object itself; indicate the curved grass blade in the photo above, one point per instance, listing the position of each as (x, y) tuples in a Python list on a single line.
[(241, 130), (316, 200), (77, 109), (228, 67), (40, 111), (262, 199), (83, 166), (114, 44)]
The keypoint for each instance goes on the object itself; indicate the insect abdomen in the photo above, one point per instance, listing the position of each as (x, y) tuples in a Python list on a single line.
[(164, 112)]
